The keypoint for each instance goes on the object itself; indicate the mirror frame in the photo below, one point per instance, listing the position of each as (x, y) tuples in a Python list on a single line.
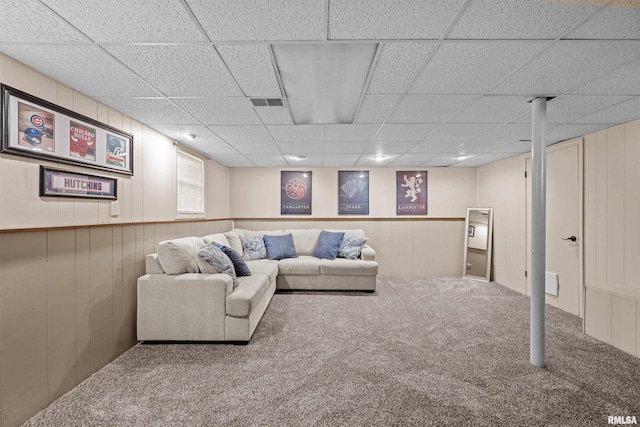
[(487, 276)]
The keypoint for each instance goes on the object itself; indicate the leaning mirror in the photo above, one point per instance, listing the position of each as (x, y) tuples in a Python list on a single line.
[(477, 243)]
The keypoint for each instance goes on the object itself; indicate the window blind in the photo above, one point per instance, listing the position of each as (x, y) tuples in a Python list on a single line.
[(190, 181)]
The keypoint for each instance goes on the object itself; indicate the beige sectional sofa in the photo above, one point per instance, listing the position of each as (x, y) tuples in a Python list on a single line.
[(177, 302)]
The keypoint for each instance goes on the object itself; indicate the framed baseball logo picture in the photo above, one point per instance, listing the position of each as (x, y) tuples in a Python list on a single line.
[(295, 193)]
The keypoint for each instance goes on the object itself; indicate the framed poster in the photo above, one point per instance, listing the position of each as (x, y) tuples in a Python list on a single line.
[(411, 193), (295, 193), (353, 192), (33, 127), (62, 183)]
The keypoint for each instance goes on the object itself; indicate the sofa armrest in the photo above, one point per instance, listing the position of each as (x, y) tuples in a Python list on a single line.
[(152, 264), (367, 253)]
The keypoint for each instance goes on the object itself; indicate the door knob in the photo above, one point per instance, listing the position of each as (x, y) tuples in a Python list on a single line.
[(572, 238)]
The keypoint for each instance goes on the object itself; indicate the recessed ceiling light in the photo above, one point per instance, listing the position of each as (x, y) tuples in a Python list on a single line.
[(298, 157), (189, 136), (379, 158)]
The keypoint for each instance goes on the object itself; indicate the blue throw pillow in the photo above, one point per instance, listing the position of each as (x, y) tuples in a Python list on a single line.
[(280, 247), (241, 267), (328, 245), (351, 246)]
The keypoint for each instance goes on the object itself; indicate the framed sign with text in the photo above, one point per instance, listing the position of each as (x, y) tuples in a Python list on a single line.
[(411, 193), (62, 183), (34, 127), (353, 192), (295, 193)]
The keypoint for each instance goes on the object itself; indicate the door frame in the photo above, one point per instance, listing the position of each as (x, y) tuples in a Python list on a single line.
[(579, 142)]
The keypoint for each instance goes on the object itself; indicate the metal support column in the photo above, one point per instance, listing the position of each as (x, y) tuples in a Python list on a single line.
[(538, 231)]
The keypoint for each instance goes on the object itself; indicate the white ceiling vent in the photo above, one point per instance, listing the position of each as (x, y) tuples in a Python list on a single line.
[(266, 102)]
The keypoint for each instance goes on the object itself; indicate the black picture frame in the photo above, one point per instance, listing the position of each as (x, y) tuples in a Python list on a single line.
[(411, 193), (36, 128), (353, 192), (472, 231), (295, 192), (64, 183)]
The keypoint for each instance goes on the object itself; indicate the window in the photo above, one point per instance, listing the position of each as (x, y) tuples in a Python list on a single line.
[(190, 180)]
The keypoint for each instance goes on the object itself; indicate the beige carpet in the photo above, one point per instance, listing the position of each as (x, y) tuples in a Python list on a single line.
[(418, 352)]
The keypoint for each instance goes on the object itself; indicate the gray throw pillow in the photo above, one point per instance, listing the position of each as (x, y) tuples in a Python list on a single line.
[(280, 247), (216, 262), (351, 246), (253, 247)]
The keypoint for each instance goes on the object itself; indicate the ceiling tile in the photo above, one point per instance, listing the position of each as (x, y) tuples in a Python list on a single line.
[(483, 147), (442, 160), (129, 21), (150, 111), (506, 132), (256, 147), (569, 108), (622, 81), (612, 22), (472, 68), (435, 147), (482, 159), (620, 113), (405, 132), (274, 115), (337, 160), (344, 147), (404, 163), (383, 19), (233, 160), (303, 148), (418, 158), (242, 133), (566, 65), (220, 111), (494, 109), (99, 75), (211, 148), (163, 66), (390, 146), (310, 160), (518, 147), (429, 108), (18, 26), (458, 132), (376, 108), (268, 160), (203, 134), (248, 20), (252, 68), (350, 132), (398, 65), (519, 19), (368, 160), (569, 131), (296, 133)]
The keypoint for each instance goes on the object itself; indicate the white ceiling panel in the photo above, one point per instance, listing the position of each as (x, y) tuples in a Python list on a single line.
[(310, 160), (297, 133), (233, 160), (405, 132), (99, 75), (397, 67), (163, 66), (442, 160), (483, 147), (256, 147), (566, 65), (350, 132), (520, 19), (481, 159), (129, 21), (369, 160), (268, 160), (506, 132), (494, 109), (458, 132), (390, 146), (569, 108), (39, 24), (212, 148), (400, 162), (569, 131), (203, 134), (150, 111), (248, 20), (302, 148), (274, 115), (415, 158), (623, 81), (252, 68), (472, 68), (220, 111), (613, 22), (429, 108), (376, 108), (344, 147), (435, 147), (518, 147), (384, 19), (339, 159), (620, 113), (242, 133)]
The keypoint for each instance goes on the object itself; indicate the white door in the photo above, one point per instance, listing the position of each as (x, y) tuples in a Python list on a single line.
[(563, 226)]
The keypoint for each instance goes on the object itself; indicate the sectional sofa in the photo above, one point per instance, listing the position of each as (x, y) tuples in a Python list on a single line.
[(181, 299)]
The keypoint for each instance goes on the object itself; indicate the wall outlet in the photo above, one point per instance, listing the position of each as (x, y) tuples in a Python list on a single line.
[(115, 208)]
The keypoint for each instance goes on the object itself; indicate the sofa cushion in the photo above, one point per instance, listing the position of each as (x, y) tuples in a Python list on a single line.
[(328, 245), (351, 246), (253, 247), (264, 266), (280, 247), (217, 237), (212, 260), (179, 256), (304, 240), (234, 241), (247, 295), (348, 267), (300, 265), (239, 265)]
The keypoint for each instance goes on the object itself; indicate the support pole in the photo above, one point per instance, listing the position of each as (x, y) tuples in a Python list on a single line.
[(538, 231)]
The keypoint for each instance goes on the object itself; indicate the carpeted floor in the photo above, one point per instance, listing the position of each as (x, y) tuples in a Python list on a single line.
[(418, 352)]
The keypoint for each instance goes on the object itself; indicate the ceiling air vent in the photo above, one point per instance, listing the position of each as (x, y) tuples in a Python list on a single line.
[(266, 102)]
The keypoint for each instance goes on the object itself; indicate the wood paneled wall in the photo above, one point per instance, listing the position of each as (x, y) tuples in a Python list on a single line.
[(68, 304), (426, 248)]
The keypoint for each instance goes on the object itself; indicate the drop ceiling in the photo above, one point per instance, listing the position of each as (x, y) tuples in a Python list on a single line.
[(449, 84)]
